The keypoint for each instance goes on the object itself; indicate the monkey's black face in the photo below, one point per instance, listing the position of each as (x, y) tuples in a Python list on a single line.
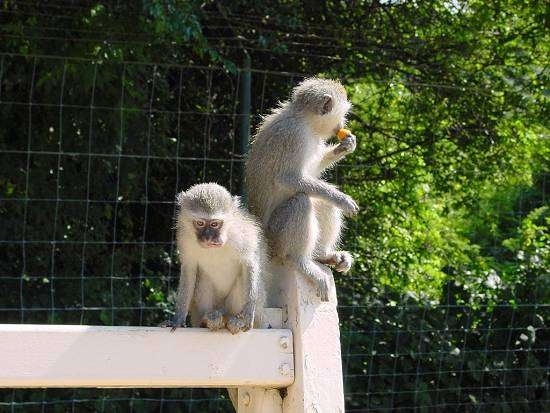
[(210, 232)]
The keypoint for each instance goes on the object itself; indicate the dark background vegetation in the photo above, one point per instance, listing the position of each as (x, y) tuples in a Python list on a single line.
[(107, 109)]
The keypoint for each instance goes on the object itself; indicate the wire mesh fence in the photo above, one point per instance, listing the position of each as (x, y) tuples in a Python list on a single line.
[(92, 153), (91, 173)]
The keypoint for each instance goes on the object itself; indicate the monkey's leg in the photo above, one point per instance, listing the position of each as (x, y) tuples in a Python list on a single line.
[(293, 230), (330, 227), (308, 267)]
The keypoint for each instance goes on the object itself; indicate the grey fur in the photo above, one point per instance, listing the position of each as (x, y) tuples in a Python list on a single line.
[(221, 286), (300, 212)]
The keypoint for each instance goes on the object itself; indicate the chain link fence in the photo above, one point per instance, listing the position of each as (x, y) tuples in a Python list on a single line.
[(92, 154)]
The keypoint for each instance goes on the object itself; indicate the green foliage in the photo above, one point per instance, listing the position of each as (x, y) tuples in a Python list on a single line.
[(417, 354), (447, 305)]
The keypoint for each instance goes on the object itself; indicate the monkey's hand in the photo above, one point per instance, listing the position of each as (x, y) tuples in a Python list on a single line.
[(173, 324), (236, 324), (214, 320), (240, 322), (348, 206), (322, 289), (348, 145), (345, 261), (340, 260)]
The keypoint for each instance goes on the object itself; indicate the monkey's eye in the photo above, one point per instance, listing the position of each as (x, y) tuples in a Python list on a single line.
[(199, 223), (215, 224)]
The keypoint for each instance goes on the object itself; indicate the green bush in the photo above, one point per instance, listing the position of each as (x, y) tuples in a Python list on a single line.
[(108, 109)]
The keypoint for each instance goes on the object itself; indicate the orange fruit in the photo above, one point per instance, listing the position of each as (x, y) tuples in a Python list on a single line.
[(343, 134)]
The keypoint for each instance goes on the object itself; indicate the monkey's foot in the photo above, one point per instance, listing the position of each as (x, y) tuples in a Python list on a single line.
[(322, 289), (214, 320), (238, 323)]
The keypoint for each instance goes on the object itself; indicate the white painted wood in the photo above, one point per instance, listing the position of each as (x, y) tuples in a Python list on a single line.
[(93, 356), (318, 385), (258, 400), (271, 318)]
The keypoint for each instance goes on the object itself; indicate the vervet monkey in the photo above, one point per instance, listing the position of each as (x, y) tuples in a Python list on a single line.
[(222, 254), (301, 213)]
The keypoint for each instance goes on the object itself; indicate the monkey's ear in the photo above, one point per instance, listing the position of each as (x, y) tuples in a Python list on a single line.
[(327, 104), (237, 201)]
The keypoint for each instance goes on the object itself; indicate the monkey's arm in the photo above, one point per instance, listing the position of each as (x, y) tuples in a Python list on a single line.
[(186, 289), (251, 273), (319, 189), (334, 153), (250, 282)]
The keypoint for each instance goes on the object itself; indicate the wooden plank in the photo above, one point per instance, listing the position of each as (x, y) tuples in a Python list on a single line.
[(94, 356), (318, 386), (258, 400), (271, 318)]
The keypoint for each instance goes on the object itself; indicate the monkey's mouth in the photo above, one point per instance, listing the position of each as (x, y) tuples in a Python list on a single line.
[(212, 244), (340, 125)]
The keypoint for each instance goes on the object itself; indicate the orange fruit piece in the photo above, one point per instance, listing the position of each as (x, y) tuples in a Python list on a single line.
[(343, 134)]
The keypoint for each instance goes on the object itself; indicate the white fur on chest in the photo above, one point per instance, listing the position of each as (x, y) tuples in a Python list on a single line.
[(316, 151), (222, 266)]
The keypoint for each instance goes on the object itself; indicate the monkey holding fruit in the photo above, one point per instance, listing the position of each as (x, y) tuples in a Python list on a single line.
[(301, 213)]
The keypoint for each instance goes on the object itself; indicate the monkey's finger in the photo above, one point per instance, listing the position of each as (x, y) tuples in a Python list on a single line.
[(350, 139), (236, 325), (343, 267), (322, 290), (352, 212), (168, 323), (350, 143)]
